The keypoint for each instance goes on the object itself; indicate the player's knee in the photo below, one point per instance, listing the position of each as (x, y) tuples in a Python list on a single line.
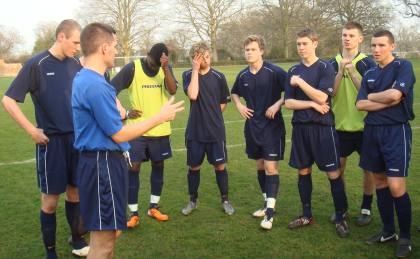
[(195, 168), (72, 193), (49, 202), (135, 167), (219, 167), (157, 164), (334, 174), (304, 171), (260, 164)]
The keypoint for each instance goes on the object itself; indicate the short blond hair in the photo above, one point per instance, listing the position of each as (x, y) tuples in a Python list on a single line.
[(199, 48), (255, 38)]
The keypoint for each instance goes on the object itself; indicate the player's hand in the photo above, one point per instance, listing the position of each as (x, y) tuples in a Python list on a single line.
[(196, 62), (272, 110), (343, 63), (350, 67), (39, 137), (245, 112), (134, 114), (164, 61), (321, 108), (294, 80), (169, 110)]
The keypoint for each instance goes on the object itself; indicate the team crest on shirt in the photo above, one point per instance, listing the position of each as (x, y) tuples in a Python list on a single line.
[(402, 84), (330, 90), (246, 84)]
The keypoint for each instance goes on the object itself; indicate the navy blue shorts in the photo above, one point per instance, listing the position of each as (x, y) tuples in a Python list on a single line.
[(387, 149), (314, 143), (103, 189), (150, 148), (350, 142), (269, 149), (56, 164), (216, 152)]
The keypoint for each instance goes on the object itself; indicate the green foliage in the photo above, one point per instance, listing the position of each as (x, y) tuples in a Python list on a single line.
[(208, 232)]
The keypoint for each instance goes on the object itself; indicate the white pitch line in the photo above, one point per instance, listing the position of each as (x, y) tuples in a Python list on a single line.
[(174, 150)]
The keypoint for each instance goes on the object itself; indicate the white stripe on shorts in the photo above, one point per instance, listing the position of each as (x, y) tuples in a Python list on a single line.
[(405, 151), (45, 167), (335, 150), (99, 196), (112, 192)]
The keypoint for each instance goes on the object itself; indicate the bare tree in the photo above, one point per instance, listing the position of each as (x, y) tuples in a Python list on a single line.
[(412, 7), (128, 17), (9, 41), (45, 36), (206, 17)]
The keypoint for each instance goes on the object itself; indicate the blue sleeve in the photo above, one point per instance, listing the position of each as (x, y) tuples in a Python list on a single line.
[(364, 65), (281, 76), (363, 93), (124, 78), (186, 79), (236, 89), (405, 78), (326, 82), (225, 94), (102, 101), (26, 81), (289, 91), (334, 63)]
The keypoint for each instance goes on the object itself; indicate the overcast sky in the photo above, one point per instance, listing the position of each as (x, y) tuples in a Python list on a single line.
[(25, 15)]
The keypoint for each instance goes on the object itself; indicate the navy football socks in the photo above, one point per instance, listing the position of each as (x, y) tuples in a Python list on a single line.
[(386, 209), (222, 180), (193, 183), (261, 179), (133, 186), (156, 181), (367, 202), (339, 198), (403, 209), (48, 229), (305, 192), (75, 223)]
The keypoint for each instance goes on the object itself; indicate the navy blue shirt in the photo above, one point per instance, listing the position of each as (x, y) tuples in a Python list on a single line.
[(49, 81), (362, 65), (320, 75), (260, 91), (95, 114), (396, 75), (205, 122)]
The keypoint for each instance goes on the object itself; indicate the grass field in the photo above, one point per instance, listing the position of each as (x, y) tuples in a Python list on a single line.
[(208, 232)]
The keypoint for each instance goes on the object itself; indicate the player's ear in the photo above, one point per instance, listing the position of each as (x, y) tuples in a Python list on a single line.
[(60, 36), (315, 42)]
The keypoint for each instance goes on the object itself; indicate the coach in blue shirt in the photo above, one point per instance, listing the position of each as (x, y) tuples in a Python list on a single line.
[(102, 138), (48, 78), (387, 95), (261, 85)]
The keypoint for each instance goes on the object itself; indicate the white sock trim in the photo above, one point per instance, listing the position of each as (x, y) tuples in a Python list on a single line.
[(265, 196), (133, 207), (365, 211), (271, 203), (154, 199)]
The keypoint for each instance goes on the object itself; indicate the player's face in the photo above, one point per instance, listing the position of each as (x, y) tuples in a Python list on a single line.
[(70, 45), (109, 51), (351, 38), (306, 47), (253, 53), (382, 49), (206, 60)]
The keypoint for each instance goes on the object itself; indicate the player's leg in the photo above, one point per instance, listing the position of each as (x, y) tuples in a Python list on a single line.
[(137, 156), (102, 244), (133, 193), (48, 222), (340, 202), (365, 216), (301, 158), (261, 176), (195, 157), (74, 219), (159, 150), (72, 203), (272, 182)]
